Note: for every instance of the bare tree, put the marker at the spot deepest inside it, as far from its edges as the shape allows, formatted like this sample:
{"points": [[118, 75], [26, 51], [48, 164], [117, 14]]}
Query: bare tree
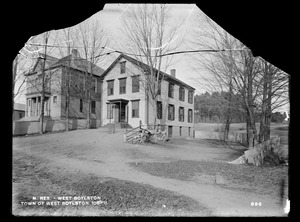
{"points": [[221, 66], [20, 66], [91, 42], [149, 36], [42, 84], [67, 43], [235, 70], [232, 69], [274, 94]]}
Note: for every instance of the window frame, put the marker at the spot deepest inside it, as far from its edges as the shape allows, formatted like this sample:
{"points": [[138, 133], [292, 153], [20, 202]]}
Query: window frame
{"points": [[93, 108], [135, 84], [94, 82], [159, 111], [54, 99], [181, 93], [135, 114], [171, 90], [190, 115], [122, 67], [181, 116], [190, 97], [81, 105], [159, 88], [169, 112], [108, 88], [122, 79]]}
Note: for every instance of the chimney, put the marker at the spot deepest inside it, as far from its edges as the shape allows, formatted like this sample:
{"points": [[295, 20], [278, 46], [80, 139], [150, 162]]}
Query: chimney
{"points": [[173, 72], [74, 53]]}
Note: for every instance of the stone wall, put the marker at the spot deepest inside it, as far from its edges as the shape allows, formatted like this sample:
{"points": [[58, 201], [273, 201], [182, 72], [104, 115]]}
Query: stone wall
{"points": [[270, 148]]}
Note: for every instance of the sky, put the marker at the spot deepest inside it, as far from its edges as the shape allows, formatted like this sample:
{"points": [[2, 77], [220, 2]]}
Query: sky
{"points": [[111, 20]]}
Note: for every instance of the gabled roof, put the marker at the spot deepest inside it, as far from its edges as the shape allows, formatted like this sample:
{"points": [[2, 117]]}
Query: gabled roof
{"points": [[50, 60], [78, 63], [144, 66]]}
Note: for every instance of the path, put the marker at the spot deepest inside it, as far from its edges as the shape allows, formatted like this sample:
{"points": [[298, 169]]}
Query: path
{"points": [[112, 161]]}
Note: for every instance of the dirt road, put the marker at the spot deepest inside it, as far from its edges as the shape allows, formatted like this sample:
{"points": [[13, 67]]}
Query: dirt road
{"points": [[102, 154]]}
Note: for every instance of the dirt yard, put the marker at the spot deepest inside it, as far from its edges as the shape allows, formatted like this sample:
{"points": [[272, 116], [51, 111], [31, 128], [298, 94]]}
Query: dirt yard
{"points": [[183, 178]]}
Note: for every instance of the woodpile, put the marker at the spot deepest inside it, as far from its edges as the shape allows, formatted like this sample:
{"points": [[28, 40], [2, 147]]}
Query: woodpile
{"points": [[145, 135]]}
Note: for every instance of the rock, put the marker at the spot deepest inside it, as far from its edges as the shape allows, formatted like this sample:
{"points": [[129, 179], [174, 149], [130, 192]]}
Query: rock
{"points": [[282, 152], [240, 160]]}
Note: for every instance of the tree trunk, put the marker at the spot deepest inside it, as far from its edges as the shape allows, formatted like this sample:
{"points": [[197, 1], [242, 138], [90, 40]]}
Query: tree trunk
{"points": [[268, 110], [43, 92], [263, 116], [226, 129], [251, 129], [68, 98], [228, 114], [154, 113]]}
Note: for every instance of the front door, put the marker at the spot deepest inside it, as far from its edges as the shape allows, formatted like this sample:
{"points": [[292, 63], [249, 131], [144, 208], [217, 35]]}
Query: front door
{"points": [[123, 112], [117, 114]]}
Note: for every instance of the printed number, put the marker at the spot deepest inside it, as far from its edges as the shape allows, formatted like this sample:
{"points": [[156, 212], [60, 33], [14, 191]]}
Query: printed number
{"points": [[256, 204]]}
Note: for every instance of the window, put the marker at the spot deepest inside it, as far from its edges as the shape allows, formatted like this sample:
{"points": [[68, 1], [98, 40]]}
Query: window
{"points": [[94, 85], [110, 87], [93, 108], [123, 67], [181, 114], [135, 84], [20, 115], [171, 112], [81, 105], [109, 111], [159, 110], [190, 97], [159, 88], [135, 109], [189, 131], [181, 94], [122, 84], [190, 115], [81, 81], [170, 131], [54, 99], [171, 90]]}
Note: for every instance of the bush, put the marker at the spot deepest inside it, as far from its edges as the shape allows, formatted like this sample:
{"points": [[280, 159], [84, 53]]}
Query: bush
{"points": [[277, 117]]}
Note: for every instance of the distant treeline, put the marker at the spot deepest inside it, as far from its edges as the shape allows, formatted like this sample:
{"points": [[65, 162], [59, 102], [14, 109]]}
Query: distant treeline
{"points": [[211, 108]]}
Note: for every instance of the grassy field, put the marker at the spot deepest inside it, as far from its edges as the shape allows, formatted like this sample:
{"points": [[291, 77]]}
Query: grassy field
{"points": [[282, 130]]}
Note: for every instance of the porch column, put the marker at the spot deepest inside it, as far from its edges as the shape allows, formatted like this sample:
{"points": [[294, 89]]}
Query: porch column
{"points": [[26, 107], [30, 109], [36, 104]]}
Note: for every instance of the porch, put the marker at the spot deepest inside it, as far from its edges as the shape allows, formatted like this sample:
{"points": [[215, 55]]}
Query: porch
{"points": [[34, 106], [117, 111]]}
